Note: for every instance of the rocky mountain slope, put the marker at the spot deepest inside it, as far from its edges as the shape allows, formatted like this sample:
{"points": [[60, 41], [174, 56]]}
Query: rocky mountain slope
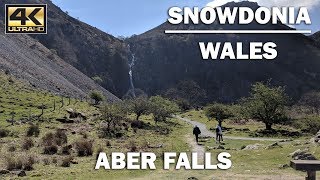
{"points": [[162, 60], [316, 36], [90, 50], [27, 59]]}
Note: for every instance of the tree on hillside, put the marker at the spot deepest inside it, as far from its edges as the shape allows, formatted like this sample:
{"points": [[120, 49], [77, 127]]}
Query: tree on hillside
{"points": [[187, 93], [139, 106], [112, 114], [96, 96], [312, 101], [217, 111], [162, 108], [266, 104]]}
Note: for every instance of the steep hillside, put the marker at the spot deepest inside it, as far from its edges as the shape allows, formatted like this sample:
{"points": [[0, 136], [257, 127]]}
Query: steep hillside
{"points": [[316, 36], [162, 60], [25, 101], [27, 59], [90, 50]]}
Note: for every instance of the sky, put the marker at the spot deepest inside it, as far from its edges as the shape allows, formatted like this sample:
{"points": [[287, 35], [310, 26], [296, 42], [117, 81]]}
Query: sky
{"points": [[129, 17]]}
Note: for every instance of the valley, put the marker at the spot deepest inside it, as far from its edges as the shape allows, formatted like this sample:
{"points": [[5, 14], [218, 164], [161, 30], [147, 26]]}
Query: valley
{"points": [[74, 93]]}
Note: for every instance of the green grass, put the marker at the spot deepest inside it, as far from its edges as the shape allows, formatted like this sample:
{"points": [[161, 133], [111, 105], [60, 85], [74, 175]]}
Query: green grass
{"points": [[247, 164], [232, 127], [25, 101]]}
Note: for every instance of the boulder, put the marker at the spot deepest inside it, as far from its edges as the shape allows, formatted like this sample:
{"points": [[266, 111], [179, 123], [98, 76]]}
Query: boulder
{"points": [[253, 147], [192, 178], [302, 155], [4, 171], [20, 173], [316, 138], [74, 114], [65, 120], [274, 145]]}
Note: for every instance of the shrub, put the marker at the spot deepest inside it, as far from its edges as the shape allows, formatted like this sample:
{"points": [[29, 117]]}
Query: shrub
{"points": [[108, 143], [50, 149], [28, 163], [13, 163], [60, 137], [132, 146], [54, 160], [310, 124], [99, 150], [162, 108], [27, 143], [4, 133], [137, 124], [48, 139], [66, 161], [46, 161], [84, 147], [96, 96], [12, 148], [66, 150], [33, 130], [19, 163]]}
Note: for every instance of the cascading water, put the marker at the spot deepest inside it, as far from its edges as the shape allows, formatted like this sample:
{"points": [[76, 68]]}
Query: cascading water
{"points": [[131, 64]]}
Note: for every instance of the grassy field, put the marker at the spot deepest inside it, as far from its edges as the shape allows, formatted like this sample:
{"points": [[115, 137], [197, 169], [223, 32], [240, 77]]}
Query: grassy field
{"points": [[171, 136], [238, 128], [26, 103]]}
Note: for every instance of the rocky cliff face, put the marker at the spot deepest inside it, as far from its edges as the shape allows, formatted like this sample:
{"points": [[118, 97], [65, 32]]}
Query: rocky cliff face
{"points": [[162, 60], [27, 59], [93, 52], [316, 37]]}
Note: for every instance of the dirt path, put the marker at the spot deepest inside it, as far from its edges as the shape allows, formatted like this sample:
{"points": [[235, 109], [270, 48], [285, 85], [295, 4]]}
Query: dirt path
{"points": [[206, 133]]}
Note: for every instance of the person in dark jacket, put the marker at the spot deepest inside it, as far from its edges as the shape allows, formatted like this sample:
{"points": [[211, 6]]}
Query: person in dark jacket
{"points": [[196, 132]]}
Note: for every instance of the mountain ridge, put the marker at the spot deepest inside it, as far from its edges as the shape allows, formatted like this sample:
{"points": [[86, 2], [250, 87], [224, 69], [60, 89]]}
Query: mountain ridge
{"points": [[165, 59]]}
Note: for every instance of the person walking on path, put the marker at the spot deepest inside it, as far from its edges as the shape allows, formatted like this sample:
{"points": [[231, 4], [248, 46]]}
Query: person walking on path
{"points": [[219, 133], [196, 132]]}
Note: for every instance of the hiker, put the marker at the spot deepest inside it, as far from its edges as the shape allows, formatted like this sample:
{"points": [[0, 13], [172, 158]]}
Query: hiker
{"points": [[196, 132], [219, 133]]}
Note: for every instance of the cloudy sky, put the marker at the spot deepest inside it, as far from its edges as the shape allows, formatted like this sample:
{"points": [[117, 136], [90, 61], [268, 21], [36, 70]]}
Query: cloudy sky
{"points": [[128, 17]]}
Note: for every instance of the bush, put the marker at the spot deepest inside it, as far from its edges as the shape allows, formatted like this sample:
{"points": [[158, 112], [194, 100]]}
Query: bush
{"points": [[28, 163], [33, 130], [12, 148], [132, 146], [4, 133], [108, 143], [84, 147], [162, 108], [13, 163], [66, 150], [46, 161], [310, 124], [66, 161], [107, 132], [99, 150], [27, 143], [48, 139], [137, 124], [96, 96], [60, 137], [19, 163], [50, 149]]}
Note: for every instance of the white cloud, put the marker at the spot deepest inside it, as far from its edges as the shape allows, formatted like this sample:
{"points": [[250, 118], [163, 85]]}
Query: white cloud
{"points": [[272, 3]]}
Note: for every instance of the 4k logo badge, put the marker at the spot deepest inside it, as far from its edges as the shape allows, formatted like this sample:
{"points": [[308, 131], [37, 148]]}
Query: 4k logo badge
{"points": [[26, 19]]}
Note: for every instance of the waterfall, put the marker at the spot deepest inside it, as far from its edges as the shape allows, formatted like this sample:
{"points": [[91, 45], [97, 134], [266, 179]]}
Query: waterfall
{"points": [[131, 64]]}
